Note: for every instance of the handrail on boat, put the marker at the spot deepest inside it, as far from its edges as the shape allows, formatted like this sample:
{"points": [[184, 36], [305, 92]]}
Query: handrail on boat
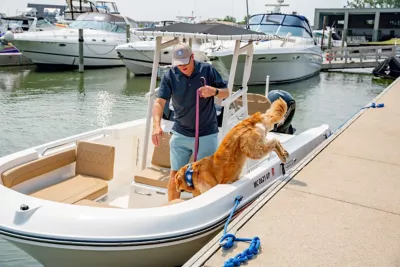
{"points": [[72, 141]]}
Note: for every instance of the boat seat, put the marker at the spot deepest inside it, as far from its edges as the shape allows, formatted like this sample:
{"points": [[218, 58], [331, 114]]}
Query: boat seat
{"points": [[32, 169], [91, 203], [255, 103], [94, 167], [158, 173], [74, 189]]}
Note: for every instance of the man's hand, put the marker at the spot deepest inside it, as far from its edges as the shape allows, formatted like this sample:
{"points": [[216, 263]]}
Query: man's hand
{"points": [[207, 91], [156, 135]]}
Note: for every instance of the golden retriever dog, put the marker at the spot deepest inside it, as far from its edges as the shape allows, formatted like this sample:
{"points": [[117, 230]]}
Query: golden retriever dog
{"points": [[246, 140]]}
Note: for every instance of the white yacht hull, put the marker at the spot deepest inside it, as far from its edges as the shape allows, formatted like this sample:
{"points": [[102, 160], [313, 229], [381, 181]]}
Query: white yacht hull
{"points": [[282, 65], [61, 48], [140, 60], [138, 56]]}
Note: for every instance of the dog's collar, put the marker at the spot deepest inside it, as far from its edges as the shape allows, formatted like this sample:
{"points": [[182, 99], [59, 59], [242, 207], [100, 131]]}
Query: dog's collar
{"points": [[188, 176]]}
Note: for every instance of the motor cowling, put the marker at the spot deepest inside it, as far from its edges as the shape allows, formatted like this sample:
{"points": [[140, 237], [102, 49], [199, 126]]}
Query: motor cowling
{"points": [[285, 126]]}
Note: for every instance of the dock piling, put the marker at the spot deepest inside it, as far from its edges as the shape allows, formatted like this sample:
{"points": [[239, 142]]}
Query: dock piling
{"points": [[81, 65]]}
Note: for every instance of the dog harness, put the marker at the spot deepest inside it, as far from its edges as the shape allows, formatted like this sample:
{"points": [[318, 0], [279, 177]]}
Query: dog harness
{"points": [[188, 176]]}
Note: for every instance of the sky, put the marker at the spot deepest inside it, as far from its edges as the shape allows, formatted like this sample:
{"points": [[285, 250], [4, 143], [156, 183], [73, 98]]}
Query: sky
{"points": [[155, 10]]}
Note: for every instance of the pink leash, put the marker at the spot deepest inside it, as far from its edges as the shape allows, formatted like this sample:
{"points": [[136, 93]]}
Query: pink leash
{"points": [[196, 142]]}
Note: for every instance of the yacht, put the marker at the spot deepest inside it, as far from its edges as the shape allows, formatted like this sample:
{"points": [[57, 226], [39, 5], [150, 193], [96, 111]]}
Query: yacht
{"points": [[138, 56], [9, 54], [102, 33], [280, 60]]}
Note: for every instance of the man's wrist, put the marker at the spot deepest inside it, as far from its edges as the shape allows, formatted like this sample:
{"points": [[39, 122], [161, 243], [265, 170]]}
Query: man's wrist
{"points": [[216, 91]]}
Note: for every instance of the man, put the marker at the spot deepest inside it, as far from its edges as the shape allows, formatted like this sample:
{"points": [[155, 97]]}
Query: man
{"points": [[180, 84]]}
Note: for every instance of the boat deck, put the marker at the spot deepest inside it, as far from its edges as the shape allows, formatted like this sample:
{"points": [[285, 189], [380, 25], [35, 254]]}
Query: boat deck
{"points": [[339, 207]]}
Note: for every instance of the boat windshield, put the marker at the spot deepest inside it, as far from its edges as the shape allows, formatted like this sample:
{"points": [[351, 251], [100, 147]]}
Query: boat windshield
{"points": [[281, 24], [104, 22], [21, 24]]}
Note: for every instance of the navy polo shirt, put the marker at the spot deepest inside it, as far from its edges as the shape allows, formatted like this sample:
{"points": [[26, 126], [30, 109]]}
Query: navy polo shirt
{"points": [[181, 90]]}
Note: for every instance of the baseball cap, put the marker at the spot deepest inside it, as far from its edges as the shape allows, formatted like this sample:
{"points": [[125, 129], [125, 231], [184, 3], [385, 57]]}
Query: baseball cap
{"points": [[181, 54]]}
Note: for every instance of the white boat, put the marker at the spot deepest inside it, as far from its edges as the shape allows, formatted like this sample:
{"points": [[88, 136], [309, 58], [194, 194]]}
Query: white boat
{"points": [[96, 199], [138, 56], [102, 33], [9, 54], [321, 37], [282, 61]]}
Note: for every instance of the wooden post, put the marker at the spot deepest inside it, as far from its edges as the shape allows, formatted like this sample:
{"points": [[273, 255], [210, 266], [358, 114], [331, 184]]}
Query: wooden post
{"points": [[128, 32], [344, 36], [323, 33], [81, 64], [330, 39]]}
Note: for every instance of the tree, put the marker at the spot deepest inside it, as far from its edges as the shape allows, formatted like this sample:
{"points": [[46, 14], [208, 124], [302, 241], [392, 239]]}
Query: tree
{"points": [[244, 21], [230, 19], [373, 3]]}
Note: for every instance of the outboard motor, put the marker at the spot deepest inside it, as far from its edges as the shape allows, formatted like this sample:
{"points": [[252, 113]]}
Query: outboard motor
{"points": [[285, 127]]}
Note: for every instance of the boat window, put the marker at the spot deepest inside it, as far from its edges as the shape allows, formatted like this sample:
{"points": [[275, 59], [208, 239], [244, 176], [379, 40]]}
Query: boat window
{"points": [[295, 31], [281, 24], [95, 25], [43, 23], [268, 29], [273, 19], [16, 25], [256, 19], [293, 21]]}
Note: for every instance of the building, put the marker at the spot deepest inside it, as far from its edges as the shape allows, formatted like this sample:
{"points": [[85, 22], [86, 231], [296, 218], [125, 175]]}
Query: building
{"points": [[373, 24]]}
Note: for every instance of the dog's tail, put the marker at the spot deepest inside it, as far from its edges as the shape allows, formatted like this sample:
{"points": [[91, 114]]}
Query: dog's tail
{"points": [[276, 113]]}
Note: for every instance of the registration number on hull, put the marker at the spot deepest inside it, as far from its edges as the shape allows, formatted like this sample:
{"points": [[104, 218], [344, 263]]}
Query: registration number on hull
{"points": [[262, 179]]}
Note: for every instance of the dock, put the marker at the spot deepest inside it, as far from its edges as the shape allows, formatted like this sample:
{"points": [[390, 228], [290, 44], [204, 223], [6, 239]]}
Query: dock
{"points": [[356, 57], [340, 206]]}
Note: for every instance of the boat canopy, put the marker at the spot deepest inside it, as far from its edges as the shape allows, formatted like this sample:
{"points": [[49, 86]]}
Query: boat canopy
{"points": [[207, 31]]}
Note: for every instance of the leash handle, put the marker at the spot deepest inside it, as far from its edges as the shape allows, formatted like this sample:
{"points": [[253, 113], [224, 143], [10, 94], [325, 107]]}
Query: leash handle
{"points": [[196, 142]]}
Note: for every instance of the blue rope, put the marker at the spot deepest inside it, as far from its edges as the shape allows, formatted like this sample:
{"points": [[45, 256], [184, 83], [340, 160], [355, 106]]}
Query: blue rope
{"points": [[373, 105], [228, 240]]}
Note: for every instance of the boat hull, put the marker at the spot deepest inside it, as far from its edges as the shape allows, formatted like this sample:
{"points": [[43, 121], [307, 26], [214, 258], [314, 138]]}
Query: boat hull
{"points": [[65, 256], [49, 53], [138, 56], [282, 67], [62, 49], [60, 234]]}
